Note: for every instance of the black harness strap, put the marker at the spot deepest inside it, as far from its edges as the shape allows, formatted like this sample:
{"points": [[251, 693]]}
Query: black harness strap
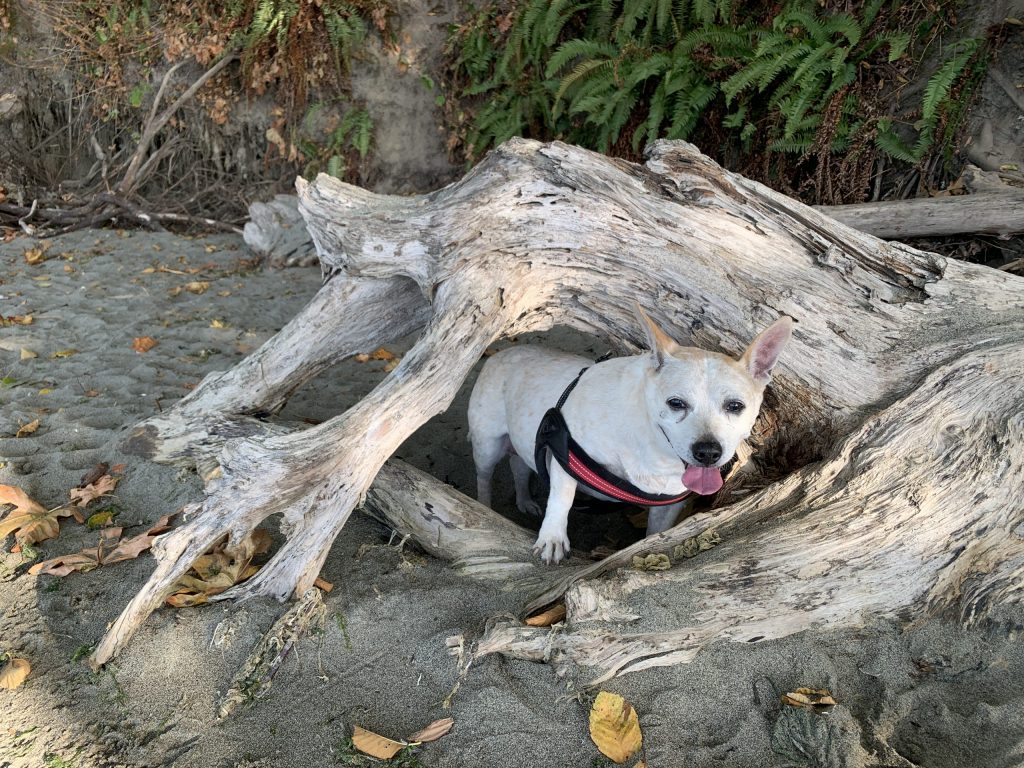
{"points": [[553, 435]]}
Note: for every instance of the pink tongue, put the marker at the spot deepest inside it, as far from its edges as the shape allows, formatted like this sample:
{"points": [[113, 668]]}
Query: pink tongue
{"points": [[702, 480]]}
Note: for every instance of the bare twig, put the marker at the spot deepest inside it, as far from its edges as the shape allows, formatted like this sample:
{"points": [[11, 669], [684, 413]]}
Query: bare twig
{"points": [[153, 126]]}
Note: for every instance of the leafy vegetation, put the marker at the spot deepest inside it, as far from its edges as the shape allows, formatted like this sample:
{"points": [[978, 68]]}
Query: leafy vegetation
{"points": [[774, 85]]}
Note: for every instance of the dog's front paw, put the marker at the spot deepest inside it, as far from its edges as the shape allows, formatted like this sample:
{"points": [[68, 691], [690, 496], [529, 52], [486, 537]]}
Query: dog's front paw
{"points": [[552, 546]]}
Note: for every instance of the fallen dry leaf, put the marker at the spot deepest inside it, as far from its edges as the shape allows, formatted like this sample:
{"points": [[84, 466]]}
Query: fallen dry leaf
{"points": [[614, 727], [27, 354], [29, 521], [16, 320], [382, 354], [215, 323], [217, 571], [84, 496], [817, 699], [34, 256], [374, 744], [552, 615], [62, 353], [432, 732], [197, 287], [14, 672], [94, 474], [118, 469], [91, 393], [143, 344], [110, 549], [27, 429]]}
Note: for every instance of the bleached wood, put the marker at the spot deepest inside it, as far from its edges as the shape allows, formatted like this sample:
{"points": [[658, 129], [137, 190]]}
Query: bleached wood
{"points": [[992, 213], [904, 375]]}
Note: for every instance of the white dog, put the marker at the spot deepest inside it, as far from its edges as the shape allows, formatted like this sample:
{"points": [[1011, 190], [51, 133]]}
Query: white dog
{"points": [[646, 429]]}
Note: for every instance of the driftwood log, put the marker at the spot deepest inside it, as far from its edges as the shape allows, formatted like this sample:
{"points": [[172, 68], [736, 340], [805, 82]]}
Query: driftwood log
{"points": [[895, 422]]}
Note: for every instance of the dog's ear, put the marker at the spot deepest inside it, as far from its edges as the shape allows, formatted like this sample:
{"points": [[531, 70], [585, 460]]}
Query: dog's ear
{"points": [[764, 351], [659, 342]]}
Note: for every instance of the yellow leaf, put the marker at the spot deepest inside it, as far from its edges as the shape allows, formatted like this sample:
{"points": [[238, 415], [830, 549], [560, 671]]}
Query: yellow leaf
{"points": [[34, 256], [197, 286], [63, 353], [28, 354], [100, 519], [614, 727], [434, 731], [551, 616], [215, 323], [382, 354], [375, 745], [817, 699], [27, 429], [45, 391], [14, 672]]}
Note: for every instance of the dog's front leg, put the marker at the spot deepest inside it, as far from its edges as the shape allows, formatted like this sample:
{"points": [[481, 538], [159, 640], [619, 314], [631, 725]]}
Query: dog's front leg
{"points": [[553, 541]]}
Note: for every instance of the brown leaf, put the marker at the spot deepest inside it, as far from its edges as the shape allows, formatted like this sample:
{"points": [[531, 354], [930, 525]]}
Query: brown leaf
{"points": [[382, 354], [110, 549], [34, 256], [118, 469], [28, 521], [614, 727], [94, 474], [433, 732], [16, 320], [143, 343], [84, 496], [14, 672], [27, 429], [92, 393], [374, 744], [552, 615], [816, 699], [218, 570]]}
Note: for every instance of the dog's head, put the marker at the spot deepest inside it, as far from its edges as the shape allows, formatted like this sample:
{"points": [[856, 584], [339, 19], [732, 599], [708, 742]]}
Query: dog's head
{"points": [[705, 403]]}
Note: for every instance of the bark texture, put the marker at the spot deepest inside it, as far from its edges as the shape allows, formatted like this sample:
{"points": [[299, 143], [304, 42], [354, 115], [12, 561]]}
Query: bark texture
{"points": [[895, 413]]}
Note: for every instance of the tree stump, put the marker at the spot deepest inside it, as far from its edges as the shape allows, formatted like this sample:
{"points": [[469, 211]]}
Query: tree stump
{"points": [[893, 431]]}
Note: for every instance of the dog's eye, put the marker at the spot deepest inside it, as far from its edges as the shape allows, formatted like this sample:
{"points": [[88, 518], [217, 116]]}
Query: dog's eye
{"points": [[676, 404], [734, 406]]}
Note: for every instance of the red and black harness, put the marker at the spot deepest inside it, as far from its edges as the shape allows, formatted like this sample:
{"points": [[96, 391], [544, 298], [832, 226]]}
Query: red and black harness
{"points": [[553, 435]]}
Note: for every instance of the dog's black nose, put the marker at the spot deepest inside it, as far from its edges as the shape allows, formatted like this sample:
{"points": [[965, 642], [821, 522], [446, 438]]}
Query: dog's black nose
{"points": [[707, 452]]}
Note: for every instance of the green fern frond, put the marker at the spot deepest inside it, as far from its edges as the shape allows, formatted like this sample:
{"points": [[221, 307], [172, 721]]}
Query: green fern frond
{"points": [[578, 49], [941, 82]]}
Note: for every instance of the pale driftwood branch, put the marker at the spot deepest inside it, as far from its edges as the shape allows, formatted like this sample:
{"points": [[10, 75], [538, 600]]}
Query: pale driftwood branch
{"points": [[903, 381], [989, 213]]}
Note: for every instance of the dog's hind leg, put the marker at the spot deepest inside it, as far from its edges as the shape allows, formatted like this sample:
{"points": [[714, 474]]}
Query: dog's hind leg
{"points": [[524, 501], [487, 452], [662, 518]]}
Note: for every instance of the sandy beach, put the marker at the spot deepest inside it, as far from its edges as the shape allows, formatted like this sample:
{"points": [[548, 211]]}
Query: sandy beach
{"points": [[931, 694]]}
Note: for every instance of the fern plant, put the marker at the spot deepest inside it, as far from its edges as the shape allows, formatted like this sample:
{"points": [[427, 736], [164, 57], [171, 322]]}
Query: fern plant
{"points": [[614, 75]]}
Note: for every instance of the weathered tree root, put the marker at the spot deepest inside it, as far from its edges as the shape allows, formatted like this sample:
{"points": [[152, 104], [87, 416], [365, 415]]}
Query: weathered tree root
{"points": [[916, 509]]}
